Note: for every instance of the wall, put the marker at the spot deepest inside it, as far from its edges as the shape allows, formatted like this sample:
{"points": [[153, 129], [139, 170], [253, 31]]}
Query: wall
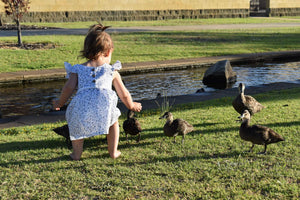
{"points": [[126, 10], [104, 5], [284, 3], [284, 8]]}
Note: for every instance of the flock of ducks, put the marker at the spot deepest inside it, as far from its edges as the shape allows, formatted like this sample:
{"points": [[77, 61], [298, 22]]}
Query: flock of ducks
{"points": [[245, 105]]}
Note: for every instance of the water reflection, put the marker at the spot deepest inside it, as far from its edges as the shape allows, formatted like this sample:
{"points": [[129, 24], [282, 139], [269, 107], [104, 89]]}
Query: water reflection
{"points": [[29, 98], [36, 98], [147, 86], [267, 73]]}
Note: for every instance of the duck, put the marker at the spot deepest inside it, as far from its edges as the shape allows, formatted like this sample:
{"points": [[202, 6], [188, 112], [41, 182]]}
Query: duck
{"points": [[64, 131], [158, 95], [245, 102], [132, 126], [257, 134], [172, 128], [201, 90]]}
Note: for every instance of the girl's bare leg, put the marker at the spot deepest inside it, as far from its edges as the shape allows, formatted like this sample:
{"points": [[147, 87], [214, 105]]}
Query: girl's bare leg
{"points": [[77, 149], [113, 140]]}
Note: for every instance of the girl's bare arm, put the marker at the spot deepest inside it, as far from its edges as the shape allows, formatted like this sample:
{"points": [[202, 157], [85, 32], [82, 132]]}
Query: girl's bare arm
{"points": [[124, 94], [67, 91]]}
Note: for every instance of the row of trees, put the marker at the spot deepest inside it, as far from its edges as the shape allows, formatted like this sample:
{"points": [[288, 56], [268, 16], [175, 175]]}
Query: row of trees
{"points": [[16, 9]]}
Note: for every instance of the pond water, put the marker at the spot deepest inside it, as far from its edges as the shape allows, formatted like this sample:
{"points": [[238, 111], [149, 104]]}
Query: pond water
{"points": [[36, 98], [173, 83]]}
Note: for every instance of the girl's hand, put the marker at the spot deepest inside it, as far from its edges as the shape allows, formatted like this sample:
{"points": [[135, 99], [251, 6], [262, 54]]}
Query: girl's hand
{"points": [[137, 107], [56, 105]]}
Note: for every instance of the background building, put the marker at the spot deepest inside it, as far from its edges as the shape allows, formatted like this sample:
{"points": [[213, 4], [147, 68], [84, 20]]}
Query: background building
{"points": [[275, 7], [125, 10]]}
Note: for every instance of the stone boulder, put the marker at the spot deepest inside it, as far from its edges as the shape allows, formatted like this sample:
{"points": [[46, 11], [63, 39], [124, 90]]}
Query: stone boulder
{"points": [[220, 75]]}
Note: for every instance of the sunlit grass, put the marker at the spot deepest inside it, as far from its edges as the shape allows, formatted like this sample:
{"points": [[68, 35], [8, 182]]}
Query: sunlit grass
{"points": [[212, 163], [152, 46]]}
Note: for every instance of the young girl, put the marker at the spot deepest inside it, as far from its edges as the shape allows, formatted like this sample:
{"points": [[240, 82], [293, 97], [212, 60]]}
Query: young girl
{"points": [[93, 110]]}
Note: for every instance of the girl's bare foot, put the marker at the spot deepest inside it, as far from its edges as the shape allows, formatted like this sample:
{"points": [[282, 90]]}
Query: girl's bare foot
{"points": [[116, 155], [77, 149], [74, 157]]}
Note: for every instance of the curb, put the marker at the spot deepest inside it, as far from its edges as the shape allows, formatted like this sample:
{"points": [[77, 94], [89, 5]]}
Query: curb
{"points": [[12, 78]]}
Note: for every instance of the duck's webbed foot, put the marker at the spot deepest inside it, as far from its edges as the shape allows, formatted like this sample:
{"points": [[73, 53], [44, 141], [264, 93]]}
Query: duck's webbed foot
{"points": [[139, 138], [182, 141], [251, 148], [126, 137], [174, 139], [265, 151]]}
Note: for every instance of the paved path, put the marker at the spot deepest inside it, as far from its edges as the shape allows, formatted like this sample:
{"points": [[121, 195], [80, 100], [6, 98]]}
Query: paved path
{"points": [[148, 28]]}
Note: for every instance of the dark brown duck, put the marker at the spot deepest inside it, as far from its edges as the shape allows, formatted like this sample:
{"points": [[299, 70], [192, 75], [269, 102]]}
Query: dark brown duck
{"points": [[132, 126], [172, 128], [64, 131], [257, 134]]}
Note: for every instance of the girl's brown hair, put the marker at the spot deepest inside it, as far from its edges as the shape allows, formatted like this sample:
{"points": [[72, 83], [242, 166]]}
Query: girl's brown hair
{"points": [[96, 42]]}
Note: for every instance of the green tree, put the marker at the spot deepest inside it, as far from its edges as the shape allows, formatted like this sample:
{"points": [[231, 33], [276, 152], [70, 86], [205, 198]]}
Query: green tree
{"points": [[16, 8]]}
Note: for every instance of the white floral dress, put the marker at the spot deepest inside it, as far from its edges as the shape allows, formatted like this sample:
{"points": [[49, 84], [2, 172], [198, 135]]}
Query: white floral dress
{"points": [[94, 107]]}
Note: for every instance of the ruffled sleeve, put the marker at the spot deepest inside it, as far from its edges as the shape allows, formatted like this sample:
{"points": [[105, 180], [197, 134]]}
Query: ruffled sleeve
{"points": [[70, 69], [117, 65]]}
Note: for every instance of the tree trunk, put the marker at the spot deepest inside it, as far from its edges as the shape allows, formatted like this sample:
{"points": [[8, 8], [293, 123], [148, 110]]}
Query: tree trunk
{"points": [[19, 33]]}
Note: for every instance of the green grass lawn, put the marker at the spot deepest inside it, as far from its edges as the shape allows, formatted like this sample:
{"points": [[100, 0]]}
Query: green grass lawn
{"points": [[151, 46], [212, 163]]}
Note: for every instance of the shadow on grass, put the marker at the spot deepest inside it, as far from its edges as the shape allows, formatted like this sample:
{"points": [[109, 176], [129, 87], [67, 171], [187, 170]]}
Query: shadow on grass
{"points": [[205, 124], [95, 142], [148, 133], [173, 159], [282, 124], [197, 38], [31, 145], [26, 162], [213, 130], [100, 142]]}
